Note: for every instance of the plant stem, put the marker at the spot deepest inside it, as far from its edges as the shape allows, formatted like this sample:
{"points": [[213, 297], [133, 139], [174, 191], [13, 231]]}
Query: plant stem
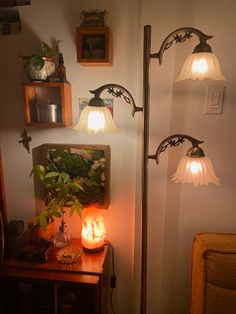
{"points": [[53, 165]]}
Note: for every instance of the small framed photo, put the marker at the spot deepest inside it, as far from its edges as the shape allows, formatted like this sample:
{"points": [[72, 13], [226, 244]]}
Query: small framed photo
{"points": [[88, 165], [10, 22], [14, 3], [83, 102]]}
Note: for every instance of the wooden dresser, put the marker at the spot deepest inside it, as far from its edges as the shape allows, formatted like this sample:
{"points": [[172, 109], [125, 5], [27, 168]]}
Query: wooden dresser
{"points": [[213, 274], [55, 288]]}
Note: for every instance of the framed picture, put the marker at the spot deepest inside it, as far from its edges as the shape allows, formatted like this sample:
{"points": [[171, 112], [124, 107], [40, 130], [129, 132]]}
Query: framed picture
{"points": [[89, 165], [10, 22], [14, 3], [94, 45], [83, 102]]}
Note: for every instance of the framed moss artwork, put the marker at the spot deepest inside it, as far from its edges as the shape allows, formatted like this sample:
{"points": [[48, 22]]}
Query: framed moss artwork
{"points": [[88, 165]]}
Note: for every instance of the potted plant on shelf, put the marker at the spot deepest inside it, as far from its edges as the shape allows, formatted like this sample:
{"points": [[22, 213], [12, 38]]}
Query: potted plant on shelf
{"points": [[39, 67], [60, 193]]}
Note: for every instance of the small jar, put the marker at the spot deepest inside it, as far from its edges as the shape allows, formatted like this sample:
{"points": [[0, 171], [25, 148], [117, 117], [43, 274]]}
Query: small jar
{"points": [[62, 238]]}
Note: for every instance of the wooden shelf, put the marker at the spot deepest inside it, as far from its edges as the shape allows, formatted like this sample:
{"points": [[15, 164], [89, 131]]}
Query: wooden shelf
{"points": [[94, 46], [47, 104]]}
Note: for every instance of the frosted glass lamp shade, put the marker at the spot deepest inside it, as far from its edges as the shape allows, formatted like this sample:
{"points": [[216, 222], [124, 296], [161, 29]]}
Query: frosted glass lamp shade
{"points": [[94, 119], [201, 65], [195, 170]]}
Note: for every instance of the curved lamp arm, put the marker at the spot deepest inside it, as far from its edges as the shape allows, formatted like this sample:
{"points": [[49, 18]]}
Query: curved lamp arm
{"points": [[173, 141], [180, 35], [117, 91]]}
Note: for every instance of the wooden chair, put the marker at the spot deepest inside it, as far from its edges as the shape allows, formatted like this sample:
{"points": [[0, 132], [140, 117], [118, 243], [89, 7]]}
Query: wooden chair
{"points": [[213, 274]]}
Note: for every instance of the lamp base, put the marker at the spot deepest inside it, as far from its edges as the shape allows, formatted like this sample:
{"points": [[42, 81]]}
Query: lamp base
{"points": [[95, 250]]}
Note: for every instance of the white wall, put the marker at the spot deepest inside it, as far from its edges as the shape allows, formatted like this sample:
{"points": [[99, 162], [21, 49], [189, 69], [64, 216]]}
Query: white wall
{"points": [[213, 208], [184, 210], [44, 20], [176, 212]]}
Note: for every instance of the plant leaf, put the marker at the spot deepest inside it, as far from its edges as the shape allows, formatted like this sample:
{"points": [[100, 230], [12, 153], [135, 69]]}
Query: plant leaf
{"points": [[57, 214], [65, 177], [43, 221], [37, 62], [78, 207], [52, 174], [47, 50]]}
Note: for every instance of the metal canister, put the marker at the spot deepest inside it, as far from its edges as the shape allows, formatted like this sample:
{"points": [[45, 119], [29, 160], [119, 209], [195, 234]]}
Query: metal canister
{"points": [[47, 112]]}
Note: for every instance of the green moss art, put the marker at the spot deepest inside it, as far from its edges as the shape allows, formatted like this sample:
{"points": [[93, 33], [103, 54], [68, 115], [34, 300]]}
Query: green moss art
{"points": [[89, 166]]}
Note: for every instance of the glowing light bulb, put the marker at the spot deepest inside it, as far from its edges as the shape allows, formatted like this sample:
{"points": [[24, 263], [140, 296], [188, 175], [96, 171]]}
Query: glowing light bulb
{"points": [[93, 230], [198, 171], [195, 167], [200, 66], [96, 121]]}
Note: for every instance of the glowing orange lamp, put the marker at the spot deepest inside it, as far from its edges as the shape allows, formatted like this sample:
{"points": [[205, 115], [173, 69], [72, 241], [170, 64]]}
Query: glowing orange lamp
{"points": [[93, 230]]}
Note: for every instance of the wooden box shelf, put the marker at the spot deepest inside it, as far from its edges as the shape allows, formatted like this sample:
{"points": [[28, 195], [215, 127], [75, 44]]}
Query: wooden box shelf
{"points": [[94, 46], [47, 104]]}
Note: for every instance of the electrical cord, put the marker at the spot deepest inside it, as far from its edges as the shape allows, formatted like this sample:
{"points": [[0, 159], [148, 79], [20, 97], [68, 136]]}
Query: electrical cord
{"points": [[113, 278]]}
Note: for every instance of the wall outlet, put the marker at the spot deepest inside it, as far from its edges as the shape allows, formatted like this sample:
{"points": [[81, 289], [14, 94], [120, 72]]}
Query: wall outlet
{"points": [[214, 99]]}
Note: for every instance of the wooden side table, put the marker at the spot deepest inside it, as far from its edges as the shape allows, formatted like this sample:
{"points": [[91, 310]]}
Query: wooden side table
{"points": [[55, 288]]}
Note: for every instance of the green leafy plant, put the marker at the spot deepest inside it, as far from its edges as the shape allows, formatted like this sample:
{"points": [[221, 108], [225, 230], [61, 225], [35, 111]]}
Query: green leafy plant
{"points": [[60, 193], [47, 53]]}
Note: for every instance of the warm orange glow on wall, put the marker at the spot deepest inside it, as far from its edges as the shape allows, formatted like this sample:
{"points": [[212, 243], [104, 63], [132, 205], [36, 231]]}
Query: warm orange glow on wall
{"points": [[93, 230]]}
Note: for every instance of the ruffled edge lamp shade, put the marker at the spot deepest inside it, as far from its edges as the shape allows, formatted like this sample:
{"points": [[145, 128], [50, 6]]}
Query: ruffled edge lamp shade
{"points": [[195, 168], [94, 119], [200, 66]]}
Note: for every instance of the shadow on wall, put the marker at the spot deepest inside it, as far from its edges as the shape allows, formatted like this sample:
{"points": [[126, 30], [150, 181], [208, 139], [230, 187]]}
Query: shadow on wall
{"points": [[39, 193], [12, 76]]}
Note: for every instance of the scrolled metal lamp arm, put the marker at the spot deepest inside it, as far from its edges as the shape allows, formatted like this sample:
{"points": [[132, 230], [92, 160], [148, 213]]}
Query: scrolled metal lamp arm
{"points": [[173, 141], [119, 93], [180, 35]]}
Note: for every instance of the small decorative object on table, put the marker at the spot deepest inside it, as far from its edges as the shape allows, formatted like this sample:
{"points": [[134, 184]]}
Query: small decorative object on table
{"points": [[69, 254], [62, 237], [38, 252], [93, 231]]}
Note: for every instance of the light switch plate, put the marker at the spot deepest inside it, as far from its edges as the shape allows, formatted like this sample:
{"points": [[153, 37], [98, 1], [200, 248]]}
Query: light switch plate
{"points": [[214, 99]]}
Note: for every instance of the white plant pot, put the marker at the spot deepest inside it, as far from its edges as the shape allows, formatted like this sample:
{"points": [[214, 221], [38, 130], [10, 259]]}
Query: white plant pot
{"points": [[39, 75]]}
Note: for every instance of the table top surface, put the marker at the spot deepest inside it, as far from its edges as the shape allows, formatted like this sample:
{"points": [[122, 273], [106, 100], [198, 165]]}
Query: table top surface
{"points": [[87, 264]]}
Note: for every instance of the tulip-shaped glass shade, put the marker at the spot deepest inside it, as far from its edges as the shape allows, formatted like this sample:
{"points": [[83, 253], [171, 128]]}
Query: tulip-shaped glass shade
{"points": [[196, 170], [94, 119], [201, 65]]}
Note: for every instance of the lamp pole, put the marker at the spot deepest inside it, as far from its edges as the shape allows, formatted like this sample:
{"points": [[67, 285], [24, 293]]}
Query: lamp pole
{"points": [[144, 174]]}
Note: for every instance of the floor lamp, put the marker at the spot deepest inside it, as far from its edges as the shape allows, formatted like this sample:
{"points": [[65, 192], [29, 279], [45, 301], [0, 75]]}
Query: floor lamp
{"points": [[195, 167]]}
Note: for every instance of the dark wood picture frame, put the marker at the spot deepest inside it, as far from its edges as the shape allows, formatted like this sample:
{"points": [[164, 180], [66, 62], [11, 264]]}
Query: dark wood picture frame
{"points": [[89, 165], [94, 46], [14, 3]]}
